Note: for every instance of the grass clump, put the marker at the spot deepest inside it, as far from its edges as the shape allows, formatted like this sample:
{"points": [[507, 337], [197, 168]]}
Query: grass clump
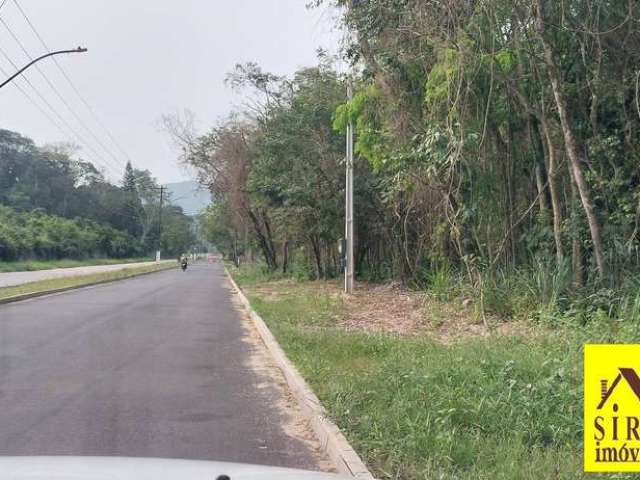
{"points": [[251, 274]]}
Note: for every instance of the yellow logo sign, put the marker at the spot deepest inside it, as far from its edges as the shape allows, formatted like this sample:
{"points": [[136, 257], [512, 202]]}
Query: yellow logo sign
{"points": [[612, 408]]}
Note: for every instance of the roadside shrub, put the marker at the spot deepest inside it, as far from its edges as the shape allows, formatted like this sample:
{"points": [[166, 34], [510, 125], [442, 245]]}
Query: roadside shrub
{"points": [[495, 298], [253, 273], [440, 281], [36, 235], [301, 271]]}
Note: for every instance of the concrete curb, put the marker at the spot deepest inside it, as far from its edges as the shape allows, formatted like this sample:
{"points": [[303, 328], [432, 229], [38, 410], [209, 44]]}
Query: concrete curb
{"points": [[332, 440], [55, 291]]}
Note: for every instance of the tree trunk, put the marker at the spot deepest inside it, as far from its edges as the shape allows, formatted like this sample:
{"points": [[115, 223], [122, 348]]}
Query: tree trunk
{"points": [[269, 240], [315, 245], [510, 174], [540, 170], [570, 138], [553, 190], [236, 258], [504, 147], [285, 256], [542, 197], [264, 239], [576, 244]]}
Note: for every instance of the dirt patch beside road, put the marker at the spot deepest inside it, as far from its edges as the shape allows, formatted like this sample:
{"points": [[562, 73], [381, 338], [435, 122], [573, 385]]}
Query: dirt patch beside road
{"points": [[262, 364], [392, 308]]}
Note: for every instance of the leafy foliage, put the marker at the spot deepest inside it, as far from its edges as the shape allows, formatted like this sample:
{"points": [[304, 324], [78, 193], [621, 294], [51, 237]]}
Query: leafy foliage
{"points": [[42, 236], [54, 206]]}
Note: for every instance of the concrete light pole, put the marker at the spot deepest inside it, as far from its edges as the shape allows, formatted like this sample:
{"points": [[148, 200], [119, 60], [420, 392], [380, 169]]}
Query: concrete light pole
{"points": [[50, 54], [349, 266], [160, 225]]}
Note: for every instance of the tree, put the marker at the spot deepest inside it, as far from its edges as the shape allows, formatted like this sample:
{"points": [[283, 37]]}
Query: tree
{"points": [[491, 137], [59, 184], [304, 197], [177, 231], [482, 105], [278, 171], [570, 137], [132, 210]]}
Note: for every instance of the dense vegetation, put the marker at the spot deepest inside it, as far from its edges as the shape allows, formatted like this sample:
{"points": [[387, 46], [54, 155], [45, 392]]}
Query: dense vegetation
{"points": [[37, 235], [495, 140], [54, 206]]}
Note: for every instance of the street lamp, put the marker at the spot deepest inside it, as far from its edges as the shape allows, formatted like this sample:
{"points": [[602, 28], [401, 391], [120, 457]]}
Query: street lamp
{"points": [[50, 54]]}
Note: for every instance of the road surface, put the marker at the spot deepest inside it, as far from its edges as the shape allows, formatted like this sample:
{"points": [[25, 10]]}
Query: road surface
{"points": [[161, 365], [8, 279]]}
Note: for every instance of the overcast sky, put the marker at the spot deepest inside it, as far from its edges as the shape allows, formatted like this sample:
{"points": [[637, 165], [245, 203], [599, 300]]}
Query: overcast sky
{"points": [[146, 58]]}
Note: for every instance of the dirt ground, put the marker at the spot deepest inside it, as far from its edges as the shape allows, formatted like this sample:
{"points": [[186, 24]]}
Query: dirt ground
{"points": [[294, 423], [392, 308]]}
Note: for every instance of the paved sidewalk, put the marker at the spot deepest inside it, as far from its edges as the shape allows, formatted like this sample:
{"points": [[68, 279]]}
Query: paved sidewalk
{"points": [[9, 279]]}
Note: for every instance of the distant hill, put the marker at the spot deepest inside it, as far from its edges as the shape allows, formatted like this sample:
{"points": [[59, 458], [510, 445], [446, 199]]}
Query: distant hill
{"points": [[189, 196]]}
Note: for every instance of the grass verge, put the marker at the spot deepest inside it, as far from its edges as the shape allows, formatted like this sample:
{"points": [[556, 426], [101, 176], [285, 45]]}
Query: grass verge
{"points": [[54, 284], [32, 265], [497, 407]]}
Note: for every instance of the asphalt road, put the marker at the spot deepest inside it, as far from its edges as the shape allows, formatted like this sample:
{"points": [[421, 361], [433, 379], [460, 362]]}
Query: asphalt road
{"points": [[160, 365], [8, 279]]}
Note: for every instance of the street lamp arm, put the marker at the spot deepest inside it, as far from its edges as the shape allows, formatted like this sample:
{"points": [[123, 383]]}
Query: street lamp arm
{"points": [[50, 54]]}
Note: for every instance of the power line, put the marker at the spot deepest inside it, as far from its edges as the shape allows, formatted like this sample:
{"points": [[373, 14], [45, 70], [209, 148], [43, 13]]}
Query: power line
{"points": [[2, 4], [78, 138], [71, 83], [39, 107], [60, 97], [35, 104]]}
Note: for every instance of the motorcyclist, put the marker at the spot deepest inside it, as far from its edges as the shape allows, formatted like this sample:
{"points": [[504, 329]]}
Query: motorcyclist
{"points": [[184, 261]]}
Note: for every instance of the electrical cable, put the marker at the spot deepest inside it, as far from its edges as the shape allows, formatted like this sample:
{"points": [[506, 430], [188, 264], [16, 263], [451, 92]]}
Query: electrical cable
{"points": [[71, 83], [60, 97], [75, 135]]}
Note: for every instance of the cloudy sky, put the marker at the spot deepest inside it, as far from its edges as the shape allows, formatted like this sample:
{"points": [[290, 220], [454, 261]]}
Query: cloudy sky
{"points": [[146, 58]]}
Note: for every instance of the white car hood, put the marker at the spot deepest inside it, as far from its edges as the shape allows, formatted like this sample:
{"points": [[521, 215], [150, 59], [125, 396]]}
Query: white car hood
{"points": [[127, 468]]}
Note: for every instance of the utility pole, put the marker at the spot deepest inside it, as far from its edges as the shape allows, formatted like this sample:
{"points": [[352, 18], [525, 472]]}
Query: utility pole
{"points": [[348, 271], [160, 225]]}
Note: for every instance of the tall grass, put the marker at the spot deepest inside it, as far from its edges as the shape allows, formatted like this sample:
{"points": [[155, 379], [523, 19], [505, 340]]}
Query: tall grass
{"points": [[440, 281], [543, 292], [630, 308], [252, 273], [550, 281]]}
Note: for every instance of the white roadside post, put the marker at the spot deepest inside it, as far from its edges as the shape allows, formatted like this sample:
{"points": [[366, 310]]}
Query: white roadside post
{"points": [[160, 225]]}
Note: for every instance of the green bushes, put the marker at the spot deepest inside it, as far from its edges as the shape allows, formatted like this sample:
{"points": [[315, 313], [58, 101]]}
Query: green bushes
{"points": [[40, 236], [544, 293]]}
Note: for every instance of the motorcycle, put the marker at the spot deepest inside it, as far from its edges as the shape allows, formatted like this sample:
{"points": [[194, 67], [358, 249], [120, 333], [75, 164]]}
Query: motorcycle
{"points": [[183, 265]]}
